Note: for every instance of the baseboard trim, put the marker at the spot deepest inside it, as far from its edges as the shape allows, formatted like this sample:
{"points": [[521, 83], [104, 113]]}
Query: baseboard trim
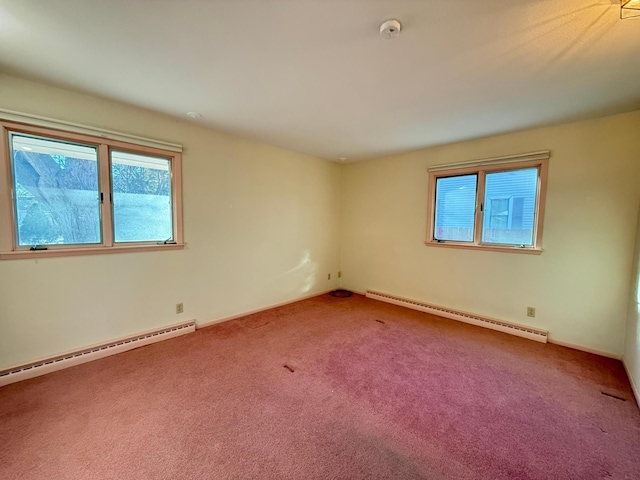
{"points": [[595, 351], [94, 352], [210, 323], [634, 387], [483, 321]]}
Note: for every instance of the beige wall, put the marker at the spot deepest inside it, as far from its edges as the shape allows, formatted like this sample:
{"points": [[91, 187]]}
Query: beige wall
{"points": [[580, 283], [261, 224], [632, 340]]}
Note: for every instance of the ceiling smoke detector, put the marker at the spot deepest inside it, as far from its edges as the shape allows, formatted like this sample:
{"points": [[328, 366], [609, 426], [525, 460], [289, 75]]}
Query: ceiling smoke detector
{"points": [[390, 29], [194, 115]]}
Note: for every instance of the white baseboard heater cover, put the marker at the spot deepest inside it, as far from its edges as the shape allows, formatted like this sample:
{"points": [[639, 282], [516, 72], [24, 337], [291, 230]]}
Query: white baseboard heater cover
{"points": [[481, 321], [41, 367]]}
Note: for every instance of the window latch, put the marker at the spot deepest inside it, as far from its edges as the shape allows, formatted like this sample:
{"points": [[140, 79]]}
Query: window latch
{"points": [[168, 241], [38, 247]]}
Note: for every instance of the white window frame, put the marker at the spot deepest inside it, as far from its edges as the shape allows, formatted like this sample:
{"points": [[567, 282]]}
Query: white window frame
{"points": [[509, 207], [539, 160], [9, 248]]}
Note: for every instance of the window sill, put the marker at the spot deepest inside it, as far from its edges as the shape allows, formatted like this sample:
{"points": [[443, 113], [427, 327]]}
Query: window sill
{"points": [[489, 248], [72, 252]]}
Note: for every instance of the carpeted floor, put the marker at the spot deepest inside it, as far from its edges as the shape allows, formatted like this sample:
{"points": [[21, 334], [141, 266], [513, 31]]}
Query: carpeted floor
{"points": [[371, 391]]}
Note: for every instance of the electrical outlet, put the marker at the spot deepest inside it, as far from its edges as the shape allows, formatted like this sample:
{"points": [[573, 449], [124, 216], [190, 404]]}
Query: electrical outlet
{"points": [[340, 274], [531, 312], [329, 277], [179, 307]]}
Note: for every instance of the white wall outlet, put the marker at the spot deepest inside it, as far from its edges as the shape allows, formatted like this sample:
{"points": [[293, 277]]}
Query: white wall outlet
{"points": [[179, 307], [531, 311]]}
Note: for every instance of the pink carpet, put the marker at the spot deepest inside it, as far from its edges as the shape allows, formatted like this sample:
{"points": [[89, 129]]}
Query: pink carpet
{"points": [[376, 392]]}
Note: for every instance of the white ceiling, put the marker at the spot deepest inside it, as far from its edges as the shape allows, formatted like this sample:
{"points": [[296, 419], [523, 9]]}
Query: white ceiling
{"points": [[315, 76]]}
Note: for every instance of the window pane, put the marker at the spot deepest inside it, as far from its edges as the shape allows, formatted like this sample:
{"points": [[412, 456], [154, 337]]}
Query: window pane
{"points": [[455, 208], [142, 207], [509, 207], [57, 199]]}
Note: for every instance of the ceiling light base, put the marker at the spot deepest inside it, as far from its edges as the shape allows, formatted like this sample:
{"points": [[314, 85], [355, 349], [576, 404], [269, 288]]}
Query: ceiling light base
{"points": [[390, 29]]}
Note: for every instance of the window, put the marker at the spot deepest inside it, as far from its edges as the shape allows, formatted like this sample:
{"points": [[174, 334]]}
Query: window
{"points": [[494, 204], [65, 193], [455, 207], [142, 203]]}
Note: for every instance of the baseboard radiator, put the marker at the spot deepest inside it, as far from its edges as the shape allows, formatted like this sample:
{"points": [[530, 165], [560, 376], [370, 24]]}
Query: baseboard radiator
{"points": [[481, 321], [41, 367]]}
